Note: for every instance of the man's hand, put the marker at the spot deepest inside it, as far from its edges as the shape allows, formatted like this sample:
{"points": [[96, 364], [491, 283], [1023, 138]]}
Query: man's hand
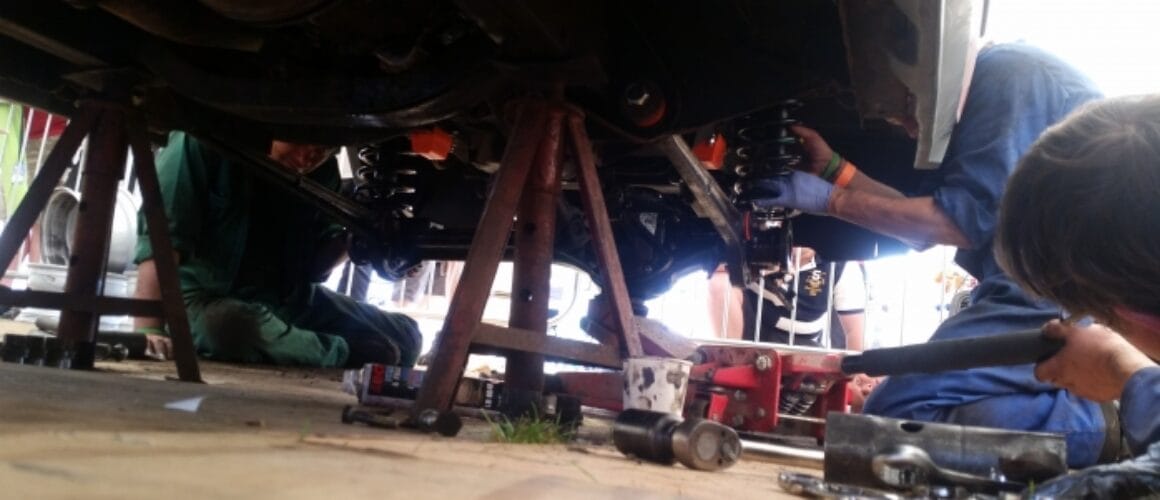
{"points": [[818, 153], [1095, 362], [799, 191], [158, 347]]}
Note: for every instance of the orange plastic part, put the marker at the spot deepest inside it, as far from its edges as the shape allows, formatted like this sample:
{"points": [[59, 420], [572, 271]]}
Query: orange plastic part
{"points": [[433, 144], [711, 152]]}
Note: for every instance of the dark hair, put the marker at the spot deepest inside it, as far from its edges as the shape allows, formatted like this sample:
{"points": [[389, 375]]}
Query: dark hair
{"points": [[1079, 223]]}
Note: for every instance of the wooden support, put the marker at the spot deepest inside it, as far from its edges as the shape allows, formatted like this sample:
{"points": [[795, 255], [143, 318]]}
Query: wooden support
{"points": [[487, 246], [172, 302], [113, 128], [611, 273], [103, 170], [528, 184], [535, 238], [560, 349]]}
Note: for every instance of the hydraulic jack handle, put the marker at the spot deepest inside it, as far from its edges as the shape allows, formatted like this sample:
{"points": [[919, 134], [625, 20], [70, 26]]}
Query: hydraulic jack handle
{"points": [[1016, 348]]}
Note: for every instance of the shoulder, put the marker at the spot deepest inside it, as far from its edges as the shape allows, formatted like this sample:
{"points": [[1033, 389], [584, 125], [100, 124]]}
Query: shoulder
{"points": [[1009, 63], [188, 152]]}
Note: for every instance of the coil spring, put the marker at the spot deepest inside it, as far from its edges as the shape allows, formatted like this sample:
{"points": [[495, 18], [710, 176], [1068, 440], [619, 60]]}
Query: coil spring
{"points": [[763, 142], [798, 402], [386, 177]]}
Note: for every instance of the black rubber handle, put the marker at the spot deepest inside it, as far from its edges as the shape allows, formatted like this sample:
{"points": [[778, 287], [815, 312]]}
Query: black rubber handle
{"points": [[1016, 348]]}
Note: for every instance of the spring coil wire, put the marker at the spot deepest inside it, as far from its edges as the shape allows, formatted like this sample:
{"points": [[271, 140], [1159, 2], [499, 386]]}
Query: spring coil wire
{"points": [[386, 175]]}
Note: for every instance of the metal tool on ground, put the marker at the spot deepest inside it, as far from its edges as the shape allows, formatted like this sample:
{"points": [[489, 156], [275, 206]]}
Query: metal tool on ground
{"points": [[351, 415], [918, 457], [782, 454], [814, 487], [444, 424], [662, 438], [1016, 348], [909, 468]]}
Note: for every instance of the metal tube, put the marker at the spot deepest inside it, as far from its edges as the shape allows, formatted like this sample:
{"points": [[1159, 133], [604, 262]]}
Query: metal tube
{"points": [[760, 308], [799, 418], [769, 452], [827, 327], [711, 202], [43, 142], [20, 154], [728, 301], [797, 265], [81, 156]]}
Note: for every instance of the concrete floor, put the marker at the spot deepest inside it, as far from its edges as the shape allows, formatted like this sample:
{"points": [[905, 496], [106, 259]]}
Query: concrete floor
{"points": [[275, 433]]}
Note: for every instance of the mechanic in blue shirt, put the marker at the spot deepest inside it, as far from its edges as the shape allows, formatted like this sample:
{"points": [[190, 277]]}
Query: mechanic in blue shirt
{"points": [[1080, 225], [1016, 92]]}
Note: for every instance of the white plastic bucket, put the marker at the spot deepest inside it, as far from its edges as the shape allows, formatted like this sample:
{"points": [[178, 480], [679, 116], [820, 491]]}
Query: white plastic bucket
{"points": [[656, 384], [51, 278], [58, 225]]}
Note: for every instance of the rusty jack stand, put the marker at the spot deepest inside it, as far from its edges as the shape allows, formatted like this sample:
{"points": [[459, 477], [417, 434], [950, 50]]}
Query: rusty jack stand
{"points": [[112, 128], [526, 188]]}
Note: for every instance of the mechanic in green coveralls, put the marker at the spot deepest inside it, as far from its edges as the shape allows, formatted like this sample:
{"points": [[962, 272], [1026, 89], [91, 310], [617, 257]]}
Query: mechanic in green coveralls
{"points": [[251, 258]]}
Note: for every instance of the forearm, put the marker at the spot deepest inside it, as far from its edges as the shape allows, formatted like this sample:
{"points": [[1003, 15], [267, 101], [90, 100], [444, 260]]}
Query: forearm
{"points": [[866, 184], [148, 288], [852, 325], [917, 221]]}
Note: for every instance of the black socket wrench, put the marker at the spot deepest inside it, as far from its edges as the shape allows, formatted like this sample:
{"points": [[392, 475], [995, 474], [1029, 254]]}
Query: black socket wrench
{"points": [[663, 438]]}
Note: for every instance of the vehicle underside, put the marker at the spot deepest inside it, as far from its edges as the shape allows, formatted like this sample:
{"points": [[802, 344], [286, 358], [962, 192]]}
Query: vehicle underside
{"points": [[369, 74]]}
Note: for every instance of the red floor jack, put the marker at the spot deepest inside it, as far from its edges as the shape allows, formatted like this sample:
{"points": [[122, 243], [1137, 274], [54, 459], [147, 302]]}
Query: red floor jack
{"points": [[751, 387], [767, 388]]}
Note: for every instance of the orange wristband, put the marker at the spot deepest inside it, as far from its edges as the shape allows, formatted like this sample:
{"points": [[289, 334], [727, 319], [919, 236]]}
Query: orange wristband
{"points": [[845, 174]]}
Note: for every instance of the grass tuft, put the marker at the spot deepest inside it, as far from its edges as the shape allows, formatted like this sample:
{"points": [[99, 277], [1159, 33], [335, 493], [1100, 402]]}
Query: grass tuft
{"points": [[528, 430]]}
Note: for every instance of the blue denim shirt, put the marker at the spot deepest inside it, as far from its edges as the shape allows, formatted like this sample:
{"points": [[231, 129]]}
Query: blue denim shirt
{"points": [[1017, 91], [1140, 410]]}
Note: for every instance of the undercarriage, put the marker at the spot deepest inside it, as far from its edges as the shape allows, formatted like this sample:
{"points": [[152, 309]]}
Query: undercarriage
{"points": [[720, 80]]}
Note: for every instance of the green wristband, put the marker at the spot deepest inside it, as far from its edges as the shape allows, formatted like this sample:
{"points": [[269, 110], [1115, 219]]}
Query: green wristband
{"points": [[151, 330], [831, 167]]}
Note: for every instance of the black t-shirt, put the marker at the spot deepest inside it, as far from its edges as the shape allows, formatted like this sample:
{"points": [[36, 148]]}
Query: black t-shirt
{"points": [[813, 286]]}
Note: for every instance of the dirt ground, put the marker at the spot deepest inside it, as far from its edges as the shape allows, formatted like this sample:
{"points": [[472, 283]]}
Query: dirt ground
{"points": [[276, 433]]}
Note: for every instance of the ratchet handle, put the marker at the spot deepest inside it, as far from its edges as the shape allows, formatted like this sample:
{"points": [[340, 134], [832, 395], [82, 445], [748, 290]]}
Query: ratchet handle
{"points": [[1016, 348]]}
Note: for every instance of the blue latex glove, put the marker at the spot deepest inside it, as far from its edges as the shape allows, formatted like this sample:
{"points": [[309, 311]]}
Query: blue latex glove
{"points": [[799, 191]]}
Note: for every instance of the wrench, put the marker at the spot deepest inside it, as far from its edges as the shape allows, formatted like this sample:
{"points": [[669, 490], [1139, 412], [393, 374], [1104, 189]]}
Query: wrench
{"points": [[910, 468]]}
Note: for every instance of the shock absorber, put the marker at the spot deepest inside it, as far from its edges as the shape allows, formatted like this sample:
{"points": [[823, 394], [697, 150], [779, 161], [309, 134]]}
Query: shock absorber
{"points": [[764, 151], [386, 176], [763, 145]]}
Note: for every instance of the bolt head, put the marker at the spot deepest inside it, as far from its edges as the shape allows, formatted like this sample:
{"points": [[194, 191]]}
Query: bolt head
{"points": [[636, 94]]}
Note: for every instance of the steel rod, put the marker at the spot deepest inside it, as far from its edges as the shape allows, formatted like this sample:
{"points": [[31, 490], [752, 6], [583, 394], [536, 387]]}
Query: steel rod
{"points": [[757, 450]]}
